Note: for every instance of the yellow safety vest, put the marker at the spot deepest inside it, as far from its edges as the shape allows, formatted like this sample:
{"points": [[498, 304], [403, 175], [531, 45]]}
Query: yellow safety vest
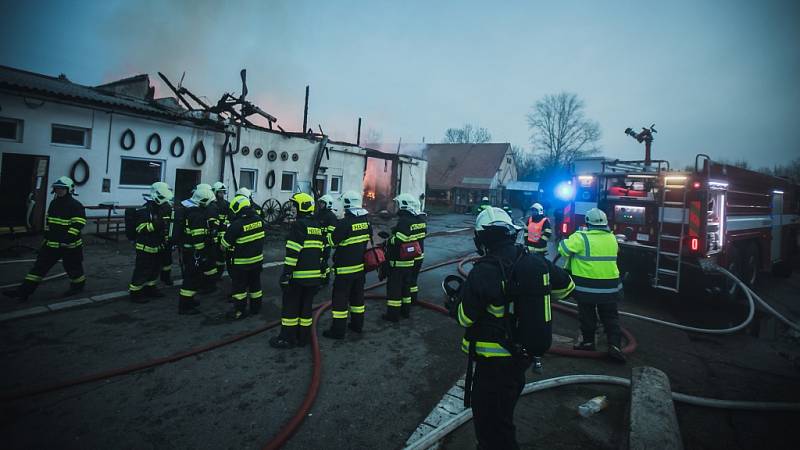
{"points": [[592, 261]]}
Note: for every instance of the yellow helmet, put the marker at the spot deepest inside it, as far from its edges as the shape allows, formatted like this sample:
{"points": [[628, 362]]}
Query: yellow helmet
{"points": [[160, 193], [202, 195], [239, 203], [219, 186], [304, 202]]}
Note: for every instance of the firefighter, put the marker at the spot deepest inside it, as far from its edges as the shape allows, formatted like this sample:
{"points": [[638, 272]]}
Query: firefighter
{"points": [[150, 242], [593, 264], [244, 240], [419, 228], [350, 237], [253, 204], [219, 212], [62, 241], [167, 214], [538, 230], [484, 204], [192, 235], [327, 220], [302, 274], [403, 250], [505, 307]]}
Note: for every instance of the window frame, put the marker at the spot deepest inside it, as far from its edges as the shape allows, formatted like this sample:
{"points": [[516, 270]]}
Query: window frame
{"points": [[294, 180], [162, 162], [19, 131], [87, 136], [255, 178], [339, 187]]}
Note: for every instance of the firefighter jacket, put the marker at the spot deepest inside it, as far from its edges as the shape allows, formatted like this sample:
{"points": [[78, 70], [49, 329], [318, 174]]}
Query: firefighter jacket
{"points": [[192, 231], [350, 237], [593, 264], [537, 233], [420, 229], [304, 245], [327, 220], [64, 222], [218, 219], [505, 302], [150, 228], [408, 229], [167, 214], [245, 240]]}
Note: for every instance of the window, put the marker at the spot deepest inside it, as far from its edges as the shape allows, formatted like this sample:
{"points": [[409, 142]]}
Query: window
{"points": [[10, 129], [140, 172], [64, 135], [287, 181], [336, 184], [248, 178]]}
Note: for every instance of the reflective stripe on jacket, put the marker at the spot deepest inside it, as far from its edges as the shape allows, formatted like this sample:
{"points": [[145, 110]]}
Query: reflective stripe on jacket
{"points": [[244, 238], [593, 261]]}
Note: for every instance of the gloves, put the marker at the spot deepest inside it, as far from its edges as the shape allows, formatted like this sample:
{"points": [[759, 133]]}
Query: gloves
{"points": [[284, 279]]}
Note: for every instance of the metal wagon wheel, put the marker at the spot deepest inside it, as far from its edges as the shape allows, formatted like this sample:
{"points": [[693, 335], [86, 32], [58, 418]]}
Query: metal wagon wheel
{"points": [[272, 210], [288, 212]]}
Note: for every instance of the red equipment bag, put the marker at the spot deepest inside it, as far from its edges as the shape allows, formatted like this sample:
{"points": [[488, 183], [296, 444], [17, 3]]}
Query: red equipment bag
{"points": [[409, 251], [374, 257]]}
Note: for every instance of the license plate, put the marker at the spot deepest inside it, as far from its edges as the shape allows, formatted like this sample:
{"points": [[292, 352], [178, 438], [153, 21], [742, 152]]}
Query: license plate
{"points": [[642, 237]]}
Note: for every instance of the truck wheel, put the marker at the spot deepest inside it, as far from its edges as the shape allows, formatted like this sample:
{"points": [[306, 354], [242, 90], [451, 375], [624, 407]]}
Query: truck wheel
{"points": [[750, 264], [730, 288]]}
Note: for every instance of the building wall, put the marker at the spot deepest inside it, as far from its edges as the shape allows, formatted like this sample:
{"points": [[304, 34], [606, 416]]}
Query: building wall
{"points": [[412, 178], [507, 171]]}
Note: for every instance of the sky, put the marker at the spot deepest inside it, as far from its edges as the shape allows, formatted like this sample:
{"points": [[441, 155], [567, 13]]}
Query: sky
{"points": [[717, 77]]}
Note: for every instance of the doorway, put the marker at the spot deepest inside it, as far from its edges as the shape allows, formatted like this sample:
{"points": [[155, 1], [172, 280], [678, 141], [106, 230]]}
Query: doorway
{"points": [[185, 182], [319, 185], [23, 181]]}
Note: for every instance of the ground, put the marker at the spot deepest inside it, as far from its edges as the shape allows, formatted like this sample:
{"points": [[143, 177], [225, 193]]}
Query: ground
{"points": [[375, 388]]}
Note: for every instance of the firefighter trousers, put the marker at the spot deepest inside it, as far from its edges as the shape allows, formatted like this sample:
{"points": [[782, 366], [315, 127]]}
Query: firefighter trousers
{"points": [[496, 386], [414, 289], [192, 279], [348, 291], [398, 292], [165, 259], [71, 259], [146, 271], [246, 280], [609, 317], [219, 263], [296, 313]]}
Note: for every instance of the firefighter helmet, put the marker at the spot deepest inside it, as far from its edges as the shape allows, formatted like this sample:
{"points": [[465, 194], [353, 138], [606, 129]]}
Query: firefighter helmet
{"points": [[493, 225], [202, 195], [352, 200], [537, 209], [326, 202], [160, 193], [407, 202], [596, 218], [244, 192], [303, 202], [239, 203], [65, 183], [485, 199], [219, 186]]}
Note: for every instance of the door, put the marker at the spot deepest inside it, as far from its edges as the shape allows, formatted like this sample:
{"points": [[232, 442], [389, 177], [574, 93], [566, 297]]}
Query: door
{"points": [[185, 182], [319, 186], [777, 211], [24, 185]]}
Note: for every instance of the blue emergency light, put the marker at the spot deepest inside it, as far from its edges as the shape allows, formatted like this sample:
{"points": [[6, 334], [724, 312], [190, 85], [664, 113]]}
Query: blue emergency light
{"points": [[565, 191]]}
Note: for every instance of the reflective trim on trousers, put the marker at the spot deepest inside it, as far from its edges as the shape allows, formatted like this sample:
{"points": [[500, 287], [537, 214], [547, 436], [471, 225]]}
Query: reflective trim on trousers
{"points": [[339, 314], [290, 321], [358, 309], [394, 303], [305, 322], [187, 293]]}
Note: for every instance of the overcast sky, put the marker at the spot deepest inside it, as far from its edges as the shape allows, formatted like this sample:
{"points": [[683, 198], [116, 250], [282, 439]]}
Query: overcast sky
{"points": [[720, 77]]}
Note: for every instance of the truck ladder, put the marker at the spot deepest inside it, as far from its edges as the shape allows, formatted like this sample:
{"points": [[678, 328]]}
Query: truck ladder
{"points": [[668, 264]]}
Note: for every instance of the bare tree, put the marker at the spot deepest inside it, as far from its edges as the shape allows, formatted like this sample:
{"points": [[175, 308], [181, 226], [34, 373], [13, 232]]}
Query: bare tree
{"points": [[527, 167], [561, 131], [468, 134]]}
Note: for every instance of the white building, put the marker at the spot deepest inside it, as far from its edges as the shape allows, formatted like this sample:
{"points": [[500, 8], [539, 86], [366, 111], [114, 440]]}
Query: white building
{"points": [[115, 140]]}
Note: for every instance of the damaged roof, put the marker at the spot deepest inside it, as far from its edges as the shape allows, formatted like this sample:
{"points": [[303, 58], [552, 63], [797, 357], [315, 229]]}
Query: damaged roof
{"points": [[22, 81], [470, 166]]}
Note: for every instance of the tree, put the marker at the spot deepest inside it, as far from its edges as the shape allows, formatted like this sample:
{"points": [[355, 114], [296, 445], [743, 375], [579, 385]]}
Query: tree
{"points": [[561, 132], [468, 134], [527, 168]]}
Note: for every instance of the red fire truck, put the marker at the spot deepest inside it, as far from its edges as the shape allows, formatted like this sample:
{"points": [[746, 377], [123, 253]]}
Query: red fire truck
{"points": [[668, 222]]}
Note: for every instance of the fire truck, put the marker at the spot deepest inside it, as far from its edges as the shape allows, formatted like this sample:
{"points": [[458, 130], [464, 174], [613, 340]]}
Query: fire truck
{"points": [[669, 223]]}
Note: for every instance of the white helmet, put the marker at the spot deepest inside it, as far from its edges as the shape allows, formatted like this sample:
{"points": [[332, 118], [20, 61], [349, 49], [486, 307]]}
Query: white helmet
{"points": [[352, 199], [326, 201], [596, 218], [203, 195], [407, 202], [65, 183], [494, 217], [537, 208], [160, 193], [245, 192], [219, 186]]}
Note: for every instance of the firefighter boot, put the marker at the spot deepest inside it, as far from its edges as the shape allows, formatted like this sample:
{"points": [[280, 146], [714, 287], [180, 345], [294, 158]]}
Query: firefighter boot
{"points": [[286, 339], [587, 346], [392, 314], [74, 288], [255, 306], [152, 292], [303, 336], [336, 330], [186, 305], [166, 277], [238, 311], [356, 322], [615, 353], [137, 297], [405, 310]]}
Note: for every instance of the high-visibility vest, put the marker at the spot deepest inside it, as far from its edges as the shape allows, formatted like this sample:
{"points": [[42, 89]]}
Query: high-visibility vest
{"points": [[535, 230], [592, 261]]}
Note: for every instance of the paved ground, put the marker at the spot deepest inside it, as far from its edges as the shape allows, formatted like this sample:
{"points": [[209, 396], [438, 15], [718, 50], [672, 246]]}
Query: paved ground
{"points": [[375, 388]]}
